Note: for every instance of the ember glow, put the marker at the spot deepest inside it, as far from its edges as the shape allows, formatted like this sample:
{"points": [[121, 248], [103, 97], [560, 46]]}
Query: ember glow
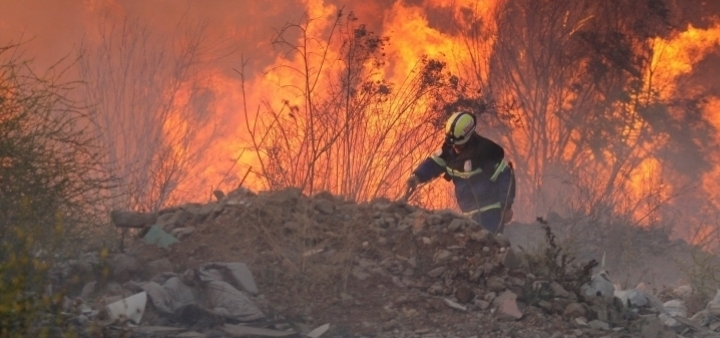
{"points": [[276, 79]]}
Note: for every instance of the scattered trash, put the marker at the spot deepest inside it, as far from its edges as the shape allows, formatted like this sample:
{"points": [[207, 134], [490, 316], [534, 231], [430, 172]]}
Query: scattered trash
{"points": [[130, 308], [159, 237]]}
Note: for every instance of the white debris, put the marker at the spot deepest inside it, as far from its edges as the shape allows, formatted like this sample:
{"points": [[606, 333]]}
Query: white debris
{"points": [[675, 308], [454, 305], [600, 286], [131, 308], [318, 331]]}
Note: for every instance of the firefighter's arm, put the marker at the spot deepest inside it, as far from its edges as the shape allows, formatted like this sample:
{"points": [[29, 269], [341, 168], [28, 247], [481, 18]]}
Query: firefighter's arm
{"points": [[430, 168]]}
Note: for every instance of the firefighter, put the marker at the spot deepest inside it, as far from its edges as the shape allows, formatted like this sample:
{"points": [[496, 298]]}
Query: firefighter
{"points": [[484, 181]]}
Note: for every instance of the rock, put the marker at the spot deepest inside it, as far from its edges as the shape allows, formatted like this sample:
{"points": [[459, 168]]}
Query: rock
{"points": [[575, 310], [511, 260], [496, 284], [497, 301], [651, 327], [245, 331], [178, 220], [558, 290], [482, 236], [437, 272], [598, 324], [87, 290], [442, 255], [464, 294], [683, 291], [132, 219], [324, 206], [545, 305], [157, 267], [502, 240], [82, 320], [509, 310], [181, 233], [163, 221], [455, 225], [206, 210], [359, 273], [483, 305], [490, 297], [123, 265]]}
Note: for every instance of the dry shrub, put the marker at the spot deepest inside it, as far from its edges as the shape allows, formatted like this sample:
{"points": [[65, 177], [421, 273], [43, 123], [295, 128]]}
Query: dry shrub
{"points": [[553, 262], [49, 184]]}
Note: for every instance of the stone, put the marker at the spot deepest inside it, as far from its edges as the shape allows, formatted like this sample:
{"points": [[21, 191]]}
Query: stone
{"points": [[206, 210], [455, 225], [558, 290], [184, 232], [359, 273], [481, 304], [598, 324], [502, 240], [324, 206], [163, 221], [244, 331], [132, 219], [575, 310], [509, 310], [482, 236], [511, 260], [87, 290], [437, 272], [442, 255], [504, 296], [178, 220], [157, 267], [651, 327], [496, 284], [464, 294], [123, 265]]}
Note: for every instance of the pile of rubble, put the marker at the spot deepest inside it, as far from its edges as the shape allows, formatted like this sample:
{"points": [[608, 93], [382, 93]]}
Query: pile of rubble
{"points": [[284, 264]]}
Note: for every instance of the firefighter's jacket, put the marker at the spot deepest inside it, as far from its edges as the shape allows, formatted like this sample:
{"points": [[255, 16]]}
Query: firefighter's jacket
{"points": [[482, 178]]}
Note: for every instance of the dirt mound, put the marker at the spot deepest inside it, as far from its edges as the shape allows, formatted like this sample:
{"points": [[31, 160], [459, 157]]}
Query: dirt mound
{"points": [[381, 268]]}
